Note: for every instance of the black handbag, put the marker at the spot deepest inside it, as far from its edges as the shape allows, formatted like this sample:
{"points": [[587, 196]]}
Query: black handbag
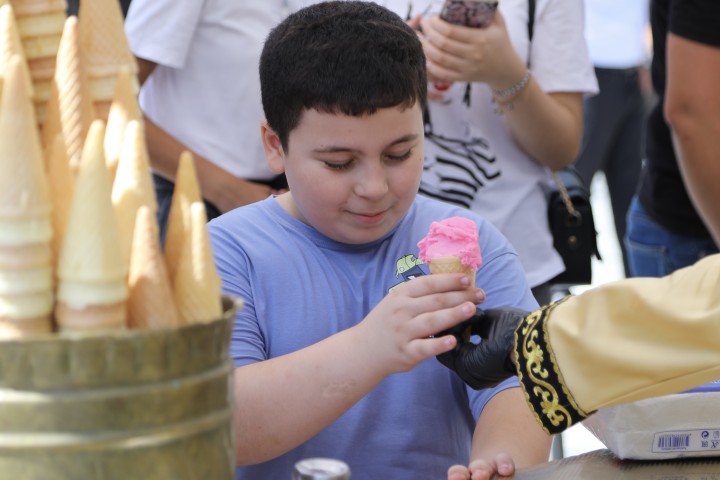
{"points": [[573, 228]]}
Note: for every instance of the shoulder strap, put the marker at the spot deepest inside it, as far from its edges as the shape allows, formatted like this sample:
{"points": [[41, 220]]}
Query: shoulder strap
{"points": [[531, 19]]}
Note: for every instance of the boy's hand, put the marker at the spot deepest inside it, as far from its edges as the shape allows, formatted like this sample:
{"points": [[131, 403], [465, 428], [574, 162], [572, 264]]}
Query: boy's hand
{"points": [[488, 363], [501, 464], [399, 332]]}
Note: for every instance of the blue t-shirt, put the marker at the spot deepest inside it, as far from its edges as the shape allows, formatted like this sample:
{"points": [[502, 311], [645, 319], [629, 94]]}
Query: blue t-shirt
{"points": [[300, 287]]}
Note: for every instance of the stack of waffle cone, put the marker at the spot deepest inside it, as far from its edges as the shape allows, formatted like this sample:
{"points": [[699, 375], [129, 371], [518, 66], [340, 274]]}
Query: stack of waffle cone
{"points": [[74, 104], [124, 109], [196, 284], [40, 23], [11, 44], [133, 187], [151, 303], [187, 192], [451, 264], [106, 50], [92, 276], [25, 225]]}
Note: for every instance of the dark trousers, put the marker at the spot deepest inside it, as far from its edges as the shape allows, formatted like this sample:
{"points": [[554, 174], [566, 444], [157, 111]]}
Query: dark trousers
{"points": [[612, 140]]}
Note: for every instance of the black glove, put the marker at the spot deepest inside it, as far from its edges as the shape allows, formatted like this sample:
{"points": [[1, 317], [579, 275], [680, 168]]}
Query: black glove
{"points": [[488, 363]]}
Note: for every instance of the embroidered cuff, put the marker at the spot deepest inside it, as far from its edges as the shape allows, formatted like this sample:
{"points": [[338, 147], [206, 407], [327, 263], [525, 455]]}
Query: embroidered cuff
{"points": [[540, 378]]}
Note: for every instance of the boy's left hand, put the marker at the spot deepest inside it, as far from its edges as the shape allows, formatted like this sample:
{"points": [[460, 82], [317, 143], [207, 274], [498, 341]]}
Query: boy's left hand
{"points": [[502, 465]]}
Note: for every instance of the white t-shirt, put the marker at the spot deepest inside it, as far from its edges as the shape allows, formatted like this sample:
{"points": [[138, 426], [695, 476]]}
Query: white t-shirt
{"points": [[205, 90], [470, 157], [615, 32]]}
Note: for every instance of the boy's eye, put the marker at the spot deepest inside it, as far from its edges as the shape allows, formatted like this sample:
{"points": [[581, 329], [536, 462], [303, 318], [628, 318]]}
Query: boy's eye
{"points": [[338, 166], [400, 156]]}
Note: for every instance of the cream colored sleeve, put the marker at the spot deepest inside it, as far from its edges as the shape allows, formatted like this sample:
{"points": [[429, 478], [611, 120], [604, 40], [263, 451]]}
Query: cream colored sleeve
{"points": [[621, 342]]}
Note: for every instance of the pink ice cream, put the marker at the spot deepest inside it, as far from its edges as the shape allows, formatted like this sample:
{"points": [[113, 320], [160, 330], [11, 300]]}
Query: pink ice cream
{"points": [[454, 236]]}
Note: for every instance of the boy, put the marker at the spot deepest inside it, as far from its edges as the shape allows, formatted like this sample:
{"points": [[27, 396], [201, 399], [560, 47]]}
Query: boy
{"points": [[333, 348]]}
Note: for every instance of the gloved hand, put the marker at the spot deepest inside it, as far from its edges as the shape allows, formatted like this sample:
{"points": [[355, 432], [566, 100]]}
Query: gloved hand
{"points": [[488, 363]]}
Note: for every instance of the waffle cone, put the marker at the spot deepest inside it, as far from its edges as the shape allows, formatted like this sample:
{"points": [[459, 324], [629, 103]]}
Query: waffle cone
{"points": [[133, 186], [37, 7], [13, 329], [186, 192], [24, 191], [197, 284], [74, 102], [92, 318], [124, 109], [62, 184], [151, 303], [91, 269], [51, 125], [25, 285], [11, 44], [451, 264], [106, 48]]}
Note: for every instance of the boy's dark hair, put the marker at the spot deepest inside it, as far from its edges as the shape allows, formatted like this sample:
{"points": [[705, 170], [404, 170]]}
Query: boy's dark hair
{"points": [[346, 57]]}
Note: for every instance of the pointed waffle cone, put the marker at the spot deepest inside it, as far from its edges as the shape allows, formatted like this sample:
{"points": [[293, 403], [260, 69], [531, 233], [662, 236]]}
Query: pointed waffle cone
{"points": [[11, 44], [24, 191], [74, 101], [133, 185], [186, 192], [451, 264], [151, 303], [106, 49], [62, 184], [91, 270], [197, 285], [124, 109], [51, 125]]}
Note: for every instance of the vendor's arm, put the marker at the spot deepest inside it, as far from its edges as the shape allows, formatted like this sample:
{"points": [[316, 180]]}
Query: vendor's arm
{"points": [[284, 401], [217, 185], [614, 344], [691, 108]]}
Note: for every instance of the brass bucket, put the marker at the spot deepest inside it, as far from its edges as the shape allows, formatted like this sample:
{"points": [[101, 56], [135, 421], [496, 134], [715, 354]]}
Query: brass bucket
{"points": [[137, 404]]}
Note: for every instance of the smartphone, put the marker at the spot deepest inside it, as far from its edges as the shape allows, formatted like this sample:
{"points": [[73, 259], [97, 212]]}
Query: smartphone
{"points": [[471, 13]]}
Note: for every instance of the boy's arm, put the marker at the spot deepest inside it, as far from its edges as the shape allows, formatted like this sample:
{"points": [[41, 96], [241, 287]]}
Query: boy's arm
{"points": [[507, 426], [284, 401]]}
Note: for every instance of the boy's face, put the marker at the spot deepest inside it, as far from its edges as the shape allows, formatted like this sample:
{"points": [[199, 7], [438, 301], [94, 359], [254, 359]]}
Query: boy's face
{"points": [[351, 178]]}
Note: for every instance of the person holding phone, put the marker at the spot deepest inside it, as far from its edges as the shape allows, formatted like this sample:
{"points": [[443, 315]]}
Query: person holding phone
{"points": [[511, 113]]}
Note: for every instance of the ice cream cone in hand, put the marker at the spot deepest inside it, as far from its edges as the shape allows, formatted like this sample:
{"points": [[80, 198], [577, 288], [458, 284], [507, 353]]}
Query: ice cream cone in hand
{"points": [[92, 274], [197, 284], [452, 245], [151, 303], [451, 264]]}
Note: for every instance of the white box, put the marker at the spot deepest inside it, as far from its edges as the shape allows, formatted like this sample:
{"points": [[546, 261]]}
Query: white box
{"points": [[686, 424]]}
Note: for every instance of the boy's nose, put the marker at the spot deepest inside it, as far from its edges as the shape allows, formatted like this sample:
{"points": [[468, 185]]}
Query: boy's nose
{"points": [[372, 182]]}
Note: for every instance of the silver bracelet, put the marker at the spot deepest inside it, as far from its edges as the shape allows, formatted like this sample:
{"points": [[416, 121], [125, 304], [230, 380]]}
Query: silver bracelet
{"points": [[509, 92]]}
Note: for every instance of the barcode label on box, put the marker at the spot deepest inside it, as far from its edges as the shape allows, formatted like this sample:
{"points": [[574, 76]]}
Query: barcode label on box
{"points": [[706, 440]]}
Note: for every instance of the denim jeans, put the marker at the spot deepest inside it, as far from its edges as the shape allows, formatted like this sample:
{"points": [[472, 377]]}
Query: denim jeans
{"points": [[654, 251]]}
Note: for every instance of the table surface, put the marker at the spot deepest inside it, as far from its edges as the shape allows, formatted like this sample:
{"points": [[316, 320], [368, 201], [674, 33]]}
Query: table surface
{"points": [[603, 465]]}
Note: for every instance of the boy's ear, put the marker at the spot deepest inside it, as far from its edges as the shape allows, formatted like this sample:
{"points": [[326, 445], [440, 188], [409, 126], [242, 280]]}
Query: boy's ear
{"points": [[273, 148]]}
